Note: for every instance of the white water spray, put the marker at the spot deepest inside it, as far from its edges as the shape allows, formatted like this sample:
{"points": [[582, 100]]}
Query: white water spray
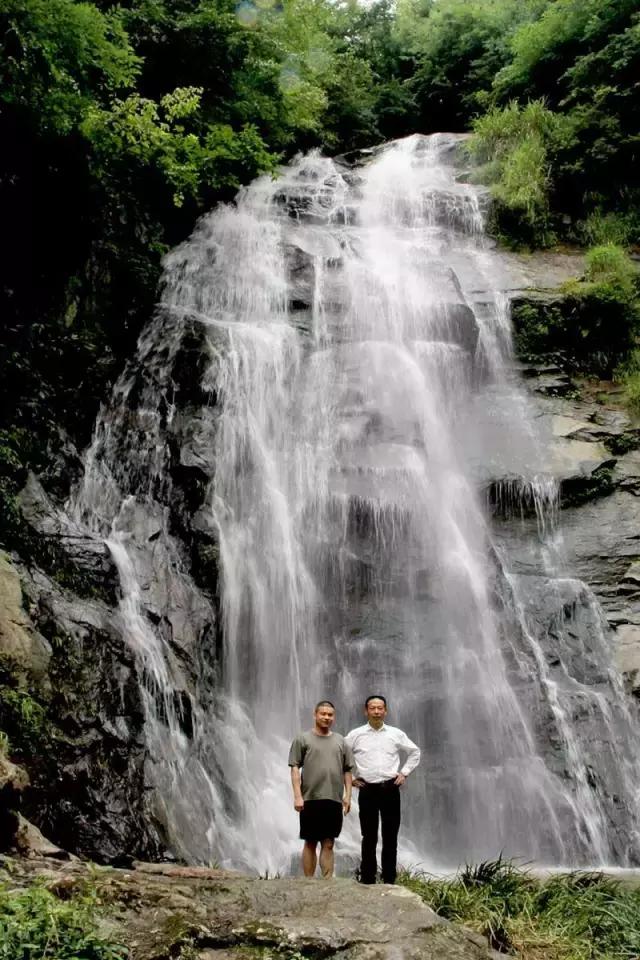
{"points": [[356, 391]]}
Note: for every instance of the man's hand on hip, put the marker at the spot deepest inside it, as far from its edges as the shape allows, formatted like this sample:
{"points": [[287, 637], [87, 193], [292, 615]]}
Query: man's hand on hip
{"points": [[400, 779]]}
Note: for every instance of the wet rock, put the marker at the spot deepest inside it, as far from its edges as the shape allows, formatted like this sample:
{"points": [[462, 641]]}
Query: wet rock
{"points": [[13, 782], [12, 777], [588, 483], [563, 637], [358, 157], [80, 737], [63, 467], [221, 915], [600, 518], [30, 842], [72, 557], [25, 650], [455, 209], [301, 275], [193, 432], [628, 655], [457, 324], [548, 378], [540, 275]]}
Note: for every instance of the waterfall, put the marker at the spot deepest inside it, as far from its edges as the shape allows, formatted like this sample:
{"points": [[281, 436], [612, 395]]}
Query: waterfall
{"points": [[331, 361]]}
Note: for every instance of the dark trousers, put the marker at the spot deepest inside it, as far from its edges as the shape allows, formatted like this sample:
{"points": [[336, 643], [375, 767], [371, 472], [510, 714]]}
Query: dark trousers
{"points": [[379, 802]]}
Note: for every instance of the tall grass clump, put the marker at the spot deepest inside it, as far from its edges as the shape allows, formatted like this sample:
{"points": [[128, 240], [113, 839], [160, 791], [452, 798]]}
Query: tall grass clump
{"points": [[573, 916], [36, 925], [628, 374], [621, 229], [513, 146], [609, 264]]}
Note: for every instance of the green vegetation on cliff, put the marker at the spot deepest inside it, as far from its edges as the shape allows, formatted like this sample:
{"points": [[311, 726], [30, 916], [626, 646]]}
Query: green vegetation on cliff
{"points": [[122, 122], [37, 925], [591, 325], [580, 60]]}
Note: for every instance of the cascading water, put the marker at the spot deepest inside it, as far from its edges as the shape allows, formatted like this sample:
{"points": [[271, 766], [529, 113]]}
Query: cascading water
{"points": [[354, 398]]}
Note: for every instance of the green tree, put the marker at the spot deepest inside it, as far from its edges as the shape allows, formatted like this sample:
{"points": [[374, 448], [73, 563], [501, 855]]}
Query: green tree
{"points": [[457, 47]]}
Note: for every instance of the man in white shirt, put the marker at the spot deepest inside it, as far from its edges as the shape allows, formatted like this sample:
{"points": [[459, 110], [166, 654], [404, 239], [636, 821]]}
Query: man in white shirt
{"points": [[384, 758]]}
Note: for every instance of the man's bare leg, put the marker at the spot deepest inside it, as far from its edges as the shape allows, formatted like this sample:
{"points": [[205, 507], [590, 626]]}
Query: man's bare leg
{"points": [[309, 858], [326, 858]]}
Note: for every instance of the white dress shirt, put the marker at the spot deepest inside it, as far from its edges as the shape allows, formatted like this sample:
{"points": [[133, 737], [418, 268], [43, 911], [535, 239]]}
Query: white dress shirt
{"points": [[377, 753]]}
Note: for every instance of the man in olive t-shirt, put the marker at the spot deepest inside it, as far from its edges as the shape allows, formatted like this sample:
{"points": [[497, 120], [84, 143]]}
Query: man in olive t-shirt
{"points": [[321, 774]]}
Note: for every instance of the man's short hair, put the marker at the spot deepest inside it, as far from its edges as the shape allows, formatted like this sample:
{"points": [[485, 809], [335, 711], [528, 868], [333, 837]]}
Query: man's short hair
{"points": [[323, 703], [375, 696]]}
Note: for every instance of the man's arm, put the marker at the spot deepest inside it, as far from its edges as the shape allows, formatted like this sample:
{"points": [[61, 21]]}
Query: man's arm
{"points": [[348, 783], [296, 783], [412, 758], [296, 761], [349, 741]]}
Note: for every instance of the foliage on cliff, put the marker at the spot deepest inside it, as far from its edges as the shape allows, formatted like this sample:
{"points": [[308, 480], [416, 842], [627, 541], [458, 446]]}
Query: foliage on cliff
{"points": [[122, 122], [580, 59]]}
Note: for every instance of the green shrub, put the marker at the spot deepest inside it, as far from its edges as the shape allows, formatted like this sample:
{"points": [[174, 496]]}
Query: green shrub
{"points": [[576, 916], [628, 374], [12, 476], [605, 228], [610, 264], [632, 391], [23, 720], [538, 327], [514, 145], [602, 311], [35, 925]]}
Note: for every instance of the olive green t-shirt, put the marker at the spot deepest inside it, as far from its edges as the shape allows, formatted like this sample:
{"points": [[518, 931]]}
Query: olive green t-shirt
{"points": [[324, 761]]}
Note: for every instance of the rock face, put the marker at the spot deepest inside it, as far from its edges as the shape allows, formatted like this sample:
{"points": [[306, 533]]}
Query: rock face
{"points": [[64, 657], [155, 910], [13, 781], [19, 643], [69, 703], [594, 454]]}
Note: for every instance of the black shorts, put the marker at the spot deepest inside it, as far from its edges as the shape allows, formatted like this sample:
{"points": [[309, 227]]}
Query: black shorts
{"points": [[320, 820]]}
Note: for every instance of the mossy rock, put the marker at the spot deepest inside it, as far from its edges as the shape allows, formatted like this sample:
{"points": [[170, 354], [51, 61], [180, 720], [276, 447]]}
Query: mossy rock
{"points": [[599, 483], [587, 325]]}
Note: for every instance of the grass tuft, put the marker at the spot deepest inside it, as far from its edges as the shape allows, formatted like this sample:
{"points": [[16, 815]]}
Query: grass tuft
{"points": [[574, 916]]}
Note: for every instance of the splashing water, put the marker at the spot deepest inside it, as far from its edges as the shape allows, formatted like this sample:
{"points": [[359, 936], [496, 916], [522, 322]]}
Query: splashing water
{"points": [[350, 397]]}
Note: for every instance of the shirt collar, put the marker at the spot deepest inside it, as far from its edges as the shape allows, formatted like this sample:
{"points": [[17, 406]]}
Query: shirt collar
{"points": [[379, 730]]}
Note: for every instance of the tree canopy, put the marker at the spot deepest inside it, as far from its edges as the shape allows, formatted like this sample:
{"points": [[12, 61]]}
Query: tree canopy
{"points": [[122, 121]]}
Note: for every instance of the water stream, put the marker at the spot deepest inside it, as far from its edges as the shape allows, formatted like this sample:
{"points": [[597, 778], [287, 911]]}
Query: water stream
{"points": [[348, 399]]}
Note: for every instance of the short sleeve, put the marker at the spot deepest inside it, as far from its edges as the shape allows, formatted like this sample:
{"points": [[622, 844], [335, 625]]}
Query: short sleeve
{"points": [[296, 753], [348, 762]]}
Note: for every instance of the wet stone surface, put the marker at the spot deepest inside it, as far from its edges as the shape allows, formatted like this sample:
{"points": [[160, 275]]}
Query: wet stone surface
{"points": [[594, 455]]}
